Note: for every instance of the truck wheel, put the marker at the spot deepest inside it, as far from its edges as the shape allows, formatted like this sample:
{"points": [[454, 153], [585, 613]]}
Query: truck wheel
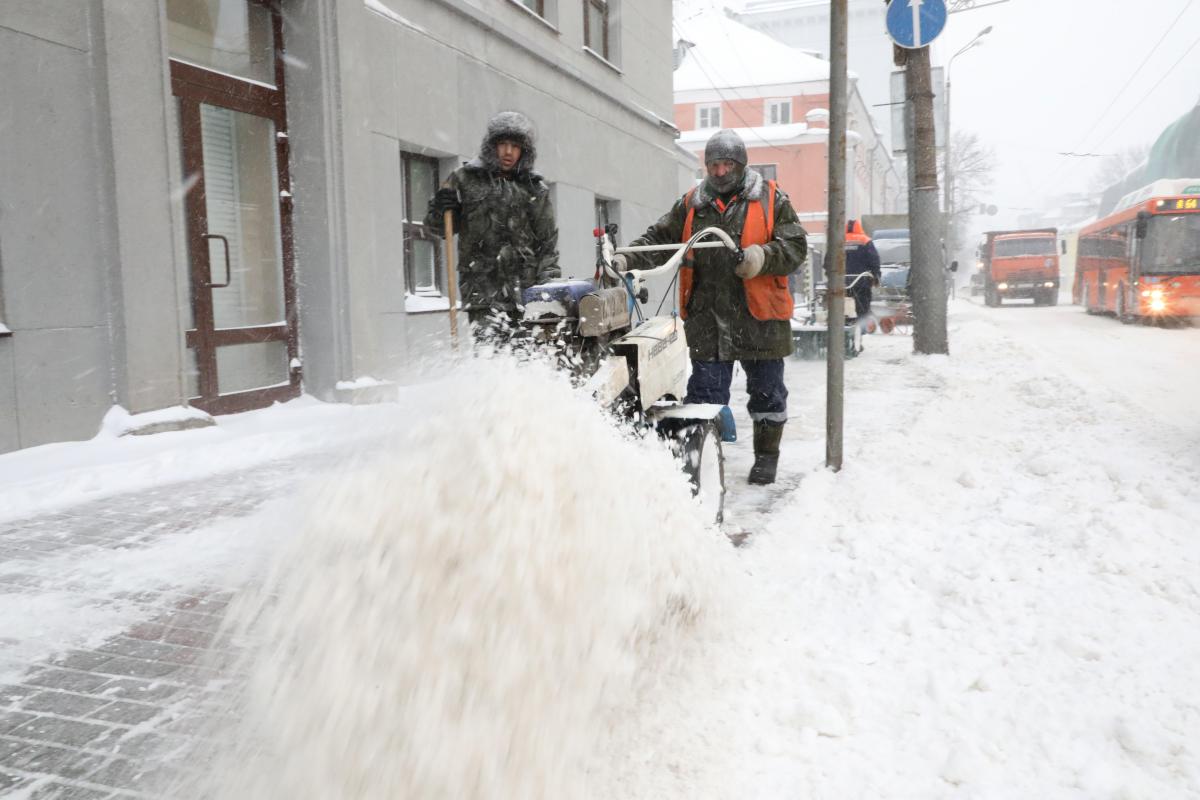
{"points": [[990, 297], [704, 465], [1052, 297], [1121, 315]]}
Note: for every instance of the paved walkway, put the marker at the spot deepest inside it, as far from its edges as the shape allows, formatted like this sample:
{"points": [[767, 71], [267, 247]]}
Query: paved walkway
{"points": [[112, 721]]}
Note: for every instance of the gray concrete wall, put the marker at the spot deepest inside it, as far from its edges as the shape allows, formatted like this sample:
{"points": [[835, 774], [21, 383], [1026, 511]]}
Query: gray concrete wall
{"points": [[56, 267], [87, 253], [426, 77]]}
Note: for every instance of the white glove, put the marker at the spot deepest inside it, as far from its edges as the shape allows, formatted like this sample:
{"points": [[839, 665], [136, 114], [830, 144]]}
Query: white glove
{"points": [[752, 262], [620, 263]]}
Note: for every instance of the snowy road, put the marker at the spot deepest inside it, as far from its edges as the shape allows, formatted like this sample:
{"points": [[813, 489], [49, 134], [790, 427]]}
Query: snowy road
{"points": [[997, 597]]}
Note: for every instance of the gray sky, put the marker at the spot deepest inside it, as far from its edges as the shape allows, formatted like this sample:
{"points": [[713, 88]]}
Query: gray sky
{"points": [[1050, 68]]}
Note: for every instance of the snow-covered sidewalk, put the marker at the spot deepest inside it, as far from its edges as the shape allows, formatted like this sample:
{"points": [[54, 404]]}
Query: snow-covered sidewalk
{"points": [[997, 597]]}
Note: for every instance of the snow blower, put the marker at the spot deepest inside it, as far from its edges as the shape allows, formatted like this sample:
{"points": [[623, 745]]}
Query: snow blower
{"points": [[636, 365]]}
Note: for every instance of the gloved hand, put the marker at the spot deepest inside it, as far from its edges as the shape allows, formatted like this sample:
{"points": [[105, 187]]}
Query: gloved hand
{"points": [[752, 262], [620, 263], [446, 199]]}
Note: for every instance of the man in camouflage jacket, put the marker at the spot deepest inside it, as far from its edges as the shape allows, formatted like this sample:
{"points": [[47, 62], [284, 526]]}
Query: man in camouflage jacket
{"points": [[719, 325], [507, 236]]}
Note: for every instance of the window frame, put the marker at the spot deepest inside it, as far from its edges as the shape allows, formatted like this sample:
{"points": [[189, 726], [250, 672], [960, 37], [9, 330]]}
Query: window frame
{"points": [[774, 103], [413, 227], [761, 169], [604, 7], [700, 109], [539, 7]]}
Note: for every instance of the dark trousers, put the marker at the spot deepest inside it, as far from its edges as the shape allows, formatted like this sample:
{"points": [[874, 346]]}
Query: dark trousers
{"points": [[764, 383], [862, 299]]}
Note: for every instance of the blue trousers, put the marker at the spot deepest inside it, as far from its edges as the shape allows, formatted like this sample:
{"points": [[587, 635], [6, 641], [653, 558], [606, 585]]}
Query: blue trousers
{"points": [[764, 383]]}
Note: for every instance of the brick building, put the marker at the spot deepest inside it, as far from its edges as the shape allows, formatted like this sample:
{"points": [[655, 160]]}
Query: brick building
{"points": [[777, 98]]}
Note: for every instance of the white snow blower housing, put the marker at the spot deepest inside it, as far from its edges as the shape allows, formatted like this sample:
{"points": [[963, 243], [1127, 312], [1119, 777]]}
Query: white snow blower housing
{"points": [[637, 365]]}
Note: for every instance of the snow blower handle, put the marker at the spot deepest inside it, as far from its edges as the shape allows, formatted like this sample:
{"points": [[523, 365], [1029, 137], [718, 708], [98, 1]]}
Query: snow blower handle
{"points": [[681, 250]]}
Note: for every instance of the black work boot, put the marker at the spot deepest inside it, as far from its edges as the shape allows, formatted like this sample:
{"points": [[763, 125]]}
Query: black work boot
{"points": [[766, 451]]}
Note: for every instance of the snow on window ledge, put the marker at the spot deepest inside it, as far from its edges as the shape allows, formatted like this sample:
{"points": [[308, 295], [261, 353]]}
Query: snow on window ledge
{"points": [[379, 8], [602, 60], [534, 14], [5, 330], [424, 304]]}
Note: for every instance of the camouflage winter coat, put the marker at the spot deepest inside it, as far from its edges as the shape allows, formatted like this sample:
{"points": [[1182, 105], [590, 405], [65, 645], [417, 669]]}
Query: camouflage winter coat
{"points": [[719, 325], [507, 236]]}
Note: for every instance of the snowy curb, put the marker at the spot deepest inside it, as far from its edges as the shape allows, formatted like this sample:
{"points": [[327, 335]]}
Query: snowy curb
{"points": [[119, 422]]}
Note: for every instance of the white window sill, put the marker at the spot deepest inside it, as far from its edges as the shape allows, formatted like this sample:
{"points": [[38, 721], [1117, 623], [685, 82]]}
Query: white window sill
{"points": [[534, 14], [602, 60], [424, 304]]}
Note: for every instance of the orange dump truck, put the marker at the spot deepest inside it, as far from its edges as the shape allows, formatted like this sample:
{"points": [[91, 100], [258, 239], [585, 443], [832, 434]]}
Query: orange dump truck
{"points": [[1020, 264]]}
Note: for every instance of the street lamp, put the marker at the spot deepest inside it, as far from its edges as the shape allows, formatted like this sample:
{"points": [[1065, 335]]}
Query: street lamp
{"points": [[947, 175]]}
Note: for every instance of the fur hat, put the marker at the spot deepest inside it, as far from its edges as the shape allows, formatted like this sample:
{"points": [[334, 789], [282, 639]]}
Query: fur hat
{"points": [[512, 126]]}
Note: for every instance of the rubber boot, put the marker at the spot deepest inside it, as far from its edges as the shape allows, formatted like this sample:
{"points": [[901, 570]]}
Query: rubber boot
{"points": [[766, 451]]}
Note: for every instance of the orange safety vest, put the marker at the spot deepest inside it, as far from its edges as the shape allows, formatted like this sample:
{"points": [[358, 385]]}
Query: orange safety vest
{"points": [[767, 295]]}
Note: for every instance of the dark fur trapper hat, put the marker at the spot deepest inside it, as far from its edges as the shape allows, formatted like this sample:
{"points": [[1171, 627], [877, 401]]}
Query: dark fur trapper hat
{"points": [[516, 127]]}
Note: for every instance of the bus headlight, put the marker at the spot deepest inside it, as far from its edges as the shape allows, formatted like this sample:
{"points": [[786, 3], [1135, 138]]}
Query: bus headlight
{"points": [[1158, 304], [1049, 284], [1002, 286]]}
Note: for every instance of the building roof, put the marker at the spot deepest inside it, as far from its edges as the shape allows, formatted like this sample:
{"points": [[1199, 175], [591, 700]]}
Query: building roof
{"points": [[728, 54], [764, 136]]}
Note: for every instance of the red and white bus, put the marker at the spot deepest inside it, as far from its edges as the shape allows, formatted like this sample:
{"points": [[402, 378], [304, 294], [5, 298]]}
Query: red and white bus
{"points": [[1142, 262]]}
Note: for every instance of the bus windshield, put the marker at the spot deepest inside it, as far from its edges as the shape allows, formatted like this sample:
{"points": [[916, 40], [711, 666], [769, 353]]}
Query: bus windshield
{"points": [[1032, 246], [1172, 245]]}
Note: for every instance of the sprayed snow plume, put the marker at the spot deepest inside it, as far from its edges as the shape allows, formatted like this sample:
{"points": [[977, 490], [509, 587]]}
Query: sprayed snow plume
{"points": [[475, 614]]}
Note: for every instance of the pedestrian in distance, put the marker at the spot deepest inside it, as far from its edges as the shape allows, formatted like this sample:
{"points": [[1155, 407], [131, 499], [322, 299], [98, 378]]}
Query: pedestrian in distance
{"points": [[736, 311], [861, 258], [507, 236]]}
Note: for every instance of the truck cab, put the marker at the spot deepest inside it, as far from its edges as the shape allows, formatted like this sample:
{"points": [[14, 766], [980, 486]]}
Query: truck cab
{"points": [[1020, 264]]}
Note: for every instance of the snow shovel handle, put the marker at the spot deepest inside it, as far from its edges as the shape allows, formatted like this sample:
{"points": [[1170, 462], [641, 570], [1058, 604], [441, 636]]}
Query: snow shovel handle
{"points": [[451, 276]]}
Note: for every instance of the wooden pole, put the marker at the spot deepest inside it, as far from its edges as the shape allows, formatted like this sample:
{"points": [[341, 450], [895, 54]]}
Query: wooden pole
{"points": [[451, 277], [835, 235]]}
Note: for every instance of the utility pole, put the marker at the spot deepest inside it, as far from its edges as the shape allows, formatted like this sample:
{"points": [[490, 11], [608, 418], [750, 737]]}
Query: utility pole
{"points": [[913, 25], [928, 282], [835, 236]]}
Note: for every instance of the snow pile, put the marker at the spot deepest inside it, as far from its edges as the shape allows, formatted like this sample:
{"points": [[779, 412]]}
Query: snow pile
{"points": [[476, 614], [998, 593]]}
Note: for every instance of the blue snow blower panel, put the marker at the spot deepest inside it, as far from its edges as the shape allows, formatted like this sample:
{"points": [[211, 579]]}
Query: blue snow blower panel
{"points": [[560, 298]]}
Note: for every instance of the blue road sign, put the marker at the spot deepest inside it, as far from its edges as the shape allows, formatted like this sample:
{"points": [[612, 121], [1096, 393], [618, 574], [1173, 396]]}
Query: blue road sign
{"points": [[915, 23]]}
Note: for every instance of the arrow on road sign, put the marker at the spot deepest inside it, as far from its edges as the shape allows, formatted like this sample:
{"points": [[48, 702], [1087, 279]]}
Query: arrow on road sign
{"points": [[915, 23]]}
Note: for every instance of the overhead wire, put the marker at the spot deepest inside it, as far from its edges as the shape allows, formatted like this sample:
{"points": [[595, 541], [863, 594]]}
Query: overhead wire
{"points": [[1145, 96], [1093, 127]]}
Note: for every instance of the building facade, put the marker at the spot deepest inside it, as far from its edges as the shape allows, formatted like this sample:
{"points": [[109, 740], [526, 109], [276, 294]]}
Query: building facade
{"points": [[804, 25], [219, 202], [777, 98]]}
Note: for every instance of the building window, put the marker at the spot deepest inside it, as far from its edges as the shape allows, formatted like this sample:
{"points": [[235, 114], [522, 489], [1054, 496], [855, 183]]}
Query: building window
{"points": [[766, 170], [708, 116], [777, 112], [536, 6], [606, 212], [595, 26], [424, 274]]}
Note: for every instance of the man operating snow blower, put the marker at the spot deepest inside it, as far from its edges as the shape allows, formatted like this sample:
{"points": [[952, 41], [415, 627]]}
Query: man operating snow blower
{"points": [[736, 311], [507, 237]]}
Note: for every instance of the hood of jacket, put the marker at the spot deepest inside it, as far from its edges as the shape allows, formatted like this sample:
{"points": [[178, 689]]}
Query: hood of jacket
{"points": [[515, 127]]}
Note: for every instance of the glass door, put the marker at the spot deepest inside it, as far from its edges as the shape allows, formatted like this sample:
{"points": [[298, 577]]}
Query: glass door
{"points": [[242, 342]]}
